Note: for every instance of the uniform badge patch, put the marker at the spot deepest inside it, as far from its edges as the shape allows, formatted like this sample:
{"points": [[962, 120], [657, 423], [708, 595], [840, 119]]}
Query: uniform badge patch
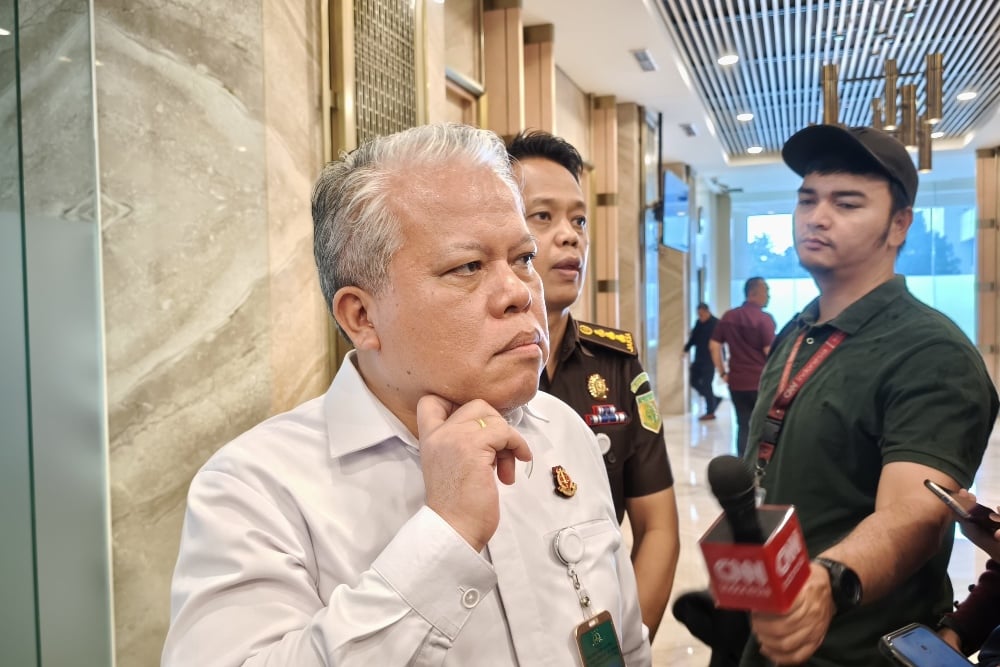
{"points": [[639, 380], [597, 386], [565, 486], [649, 414]]}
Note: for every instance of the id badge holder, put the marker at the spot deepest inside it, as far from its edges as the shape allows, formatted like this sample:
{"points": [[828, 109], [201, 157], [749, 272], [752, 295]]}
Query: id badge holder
{"points": [[596, 638], [597, 641]]}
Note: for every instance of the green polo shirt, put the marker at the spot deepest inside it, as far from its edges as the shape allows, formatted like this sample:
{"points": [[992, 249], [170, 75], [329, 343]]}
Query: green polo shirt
{"points": [[905, 385]]}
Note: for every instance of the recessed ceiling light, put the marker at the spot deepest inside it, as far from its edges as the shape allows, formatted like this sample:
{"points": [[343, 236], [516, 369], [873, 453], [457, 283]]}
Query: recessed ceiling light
{"points": [[937, 135], [744, 117], [65, 59], [728, 59], [966, 96], [4, 33], [753, 150]]}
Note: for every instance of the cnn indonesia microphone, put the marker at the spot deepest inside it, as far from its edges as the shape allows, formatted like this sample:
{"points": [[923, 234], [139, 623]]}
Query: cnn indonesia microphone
{"points": [[756, 557]]}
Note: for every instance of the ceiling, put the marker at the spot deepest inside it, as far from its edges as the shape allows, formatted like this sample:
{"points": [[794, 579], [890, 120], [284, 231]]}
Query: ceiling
{"points": [[782, 45]]}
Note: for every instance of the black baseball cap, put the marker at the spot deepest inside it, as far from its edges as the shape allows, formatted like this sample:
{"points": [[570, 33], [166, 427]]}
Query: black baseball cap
{"points": [[866, 147]]}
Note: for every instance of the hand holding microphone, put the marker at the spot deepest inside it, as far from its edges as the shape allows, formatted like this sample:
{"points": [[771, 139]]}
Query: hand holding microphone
{"points": [[757, 561], [756, 557]]}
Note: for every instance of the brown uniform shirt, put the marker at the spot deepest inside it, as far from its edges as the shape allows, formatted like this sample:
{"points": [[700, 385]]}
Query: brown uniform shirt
{"points": [[599, 376]]}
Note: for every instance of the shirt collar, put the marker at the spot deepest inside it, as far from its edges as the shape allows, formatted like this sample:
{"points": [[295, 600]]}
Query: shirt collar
{"points": [[356, 419], [571, 341], [856, 315]]}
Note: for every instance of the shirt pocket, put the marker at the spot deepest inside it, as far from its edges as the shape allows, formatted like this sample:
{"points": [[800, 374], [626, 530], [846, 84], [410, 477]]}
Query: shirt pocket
{"points": [[598, 567]]}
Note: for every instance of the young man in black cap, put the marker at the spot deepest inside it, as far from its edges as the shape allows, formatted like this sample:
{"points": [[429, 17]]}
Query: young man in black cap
{"points": [[893, 393]]}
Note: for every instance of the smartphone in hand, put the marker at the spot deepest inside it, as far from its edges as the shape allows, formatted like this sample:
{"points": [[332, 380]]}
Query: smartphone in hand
{"points": [[979, 515], [917, 645]]}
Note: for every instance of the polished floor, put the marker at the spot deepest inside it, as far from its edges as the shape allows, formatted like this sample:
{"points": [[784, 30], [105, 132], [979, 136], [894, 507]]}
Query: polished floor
{"points": [[692, 444]]}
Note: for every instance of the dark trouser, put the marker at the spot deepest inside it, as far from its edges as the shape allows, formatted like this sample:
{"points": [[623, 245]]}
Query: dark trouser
{"points": [[701, 382], [743, 402], [725, 631]]}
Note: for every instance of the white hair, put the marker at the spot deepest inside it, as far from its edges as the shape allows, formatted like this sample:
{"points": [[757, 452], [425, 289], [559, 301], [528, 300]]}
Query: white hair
{"points": [[355, 231]]}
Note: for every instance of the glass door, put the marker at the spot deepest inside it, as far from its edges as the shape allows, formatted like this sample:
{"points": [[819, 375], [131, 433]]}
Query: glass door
{"points": [[18, 609]]}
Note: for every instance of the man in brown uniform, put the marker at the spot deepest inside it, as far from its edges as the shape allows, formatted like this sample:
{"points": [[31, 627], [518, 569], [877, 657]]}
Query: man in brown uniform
{"points": [[595, 369]]}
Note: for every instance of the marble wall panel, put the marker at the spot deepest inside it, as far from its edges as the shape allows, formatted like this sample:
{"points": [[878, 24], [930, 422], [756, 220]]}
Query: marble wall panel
{"points": [[462, 25], [630, 289], [670, 369], [210, 138], [435, 60], [299, 319], [573, 114]]}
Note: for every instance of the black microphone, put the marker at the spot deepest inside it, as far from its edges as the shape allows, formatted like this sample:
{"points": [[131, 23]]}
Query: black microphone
{"points": [[732, 484]]}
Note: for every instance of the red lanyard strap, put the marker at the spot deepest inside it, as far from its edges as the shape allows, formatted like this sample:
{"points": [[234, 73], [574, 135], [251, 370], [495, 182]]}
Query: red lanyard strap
{"points": [[787, 391]]}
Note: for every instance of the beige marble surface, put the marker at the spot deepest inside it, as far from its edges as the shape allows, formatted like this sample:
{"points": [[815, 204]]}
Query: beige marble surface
{"points": [[209, 139], [573, 114], [630, 308], [462, 47], [299, 319], [691, 444], [671, 370]]}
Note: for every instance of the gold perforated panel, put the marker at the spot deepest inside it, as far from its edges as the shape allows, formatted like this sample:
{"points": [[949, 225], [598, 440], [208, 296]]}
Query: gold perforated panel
{"points": [[385, 67]]}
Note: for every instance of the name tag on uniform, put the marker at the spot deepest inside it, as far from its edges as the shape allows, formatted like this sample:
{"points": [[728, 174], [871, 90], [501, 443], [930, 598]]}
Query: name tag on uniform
{"points": [[598, 642]]}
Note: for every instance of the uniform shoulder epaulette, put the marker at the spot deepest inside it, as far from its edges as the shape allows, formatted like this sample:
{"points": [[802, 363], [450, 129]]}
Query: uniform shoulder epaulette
{"points": [[616, 339]]}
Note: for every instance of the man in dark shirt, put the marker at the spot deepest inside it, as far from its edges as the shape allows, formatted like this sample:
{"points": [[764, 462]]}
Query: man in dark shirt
{"points": [[702, 371], [747, 332], [868, 393], [595, 369]]}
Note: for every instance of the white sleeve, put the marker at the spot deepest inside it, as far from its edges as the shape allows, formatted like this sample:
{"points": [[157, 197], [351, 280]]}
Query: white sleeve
{"points": [[635, 635], [245, 592]]}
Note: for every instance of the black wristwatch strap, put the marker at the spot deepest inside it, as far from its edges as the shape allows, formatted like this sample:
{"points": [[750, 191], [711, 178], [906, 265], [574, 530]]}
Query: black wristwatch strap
{"points": [[844, 584]]}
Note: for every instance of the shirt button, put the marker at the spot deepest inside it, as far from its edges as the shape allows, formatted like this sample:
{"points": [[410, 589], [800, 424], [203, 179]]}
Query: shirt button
{"points": [[470, 598], [610, 457]]}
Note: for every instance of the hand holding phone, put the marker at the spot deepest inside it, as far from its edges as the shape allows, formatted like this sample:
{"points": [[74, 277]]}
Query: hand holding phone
{"points": [[916, 645], [977, 522], [979, 514]]}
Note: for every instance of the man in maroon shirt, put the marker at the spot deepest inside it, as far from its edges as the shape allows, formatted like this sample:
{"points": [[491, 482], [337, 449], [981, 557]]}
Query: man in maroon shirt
{"points": [[747, 332]]}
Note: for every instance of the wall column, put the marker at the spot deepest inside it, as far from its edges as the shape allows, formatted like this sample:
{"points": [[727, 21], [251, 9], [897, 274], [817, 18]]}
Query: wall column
{"points": [[540, 77], [988, 205], [605, 132], [503, 59]]}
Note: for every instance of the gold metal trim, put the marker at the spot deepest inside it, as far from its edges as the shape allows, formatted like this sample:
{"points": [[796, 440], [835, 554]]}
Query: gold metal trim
{"points": [[891, 74], [831, 100], [924, 161], [877, 113], [935, 97], [908, 128], [539, 34], [607, 286], [490, 5], [605, 102]]}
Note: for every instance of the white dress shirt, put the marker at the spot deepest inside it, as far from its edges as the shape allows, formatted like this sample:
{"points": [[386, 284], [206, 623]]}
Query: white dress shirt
{"points": [[307, 542]]}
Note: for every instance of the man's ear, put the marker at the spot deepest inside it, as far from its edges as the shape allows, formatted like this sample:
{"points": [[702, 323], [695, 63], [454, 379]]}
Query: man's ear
{"points": [[899, 226], [352, 309]]}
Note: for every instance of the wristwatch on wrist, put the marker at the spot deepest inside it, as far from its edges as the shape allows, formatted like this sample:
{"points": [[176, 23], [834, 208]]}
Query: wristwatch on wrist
{"points": [[844, 584]]}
